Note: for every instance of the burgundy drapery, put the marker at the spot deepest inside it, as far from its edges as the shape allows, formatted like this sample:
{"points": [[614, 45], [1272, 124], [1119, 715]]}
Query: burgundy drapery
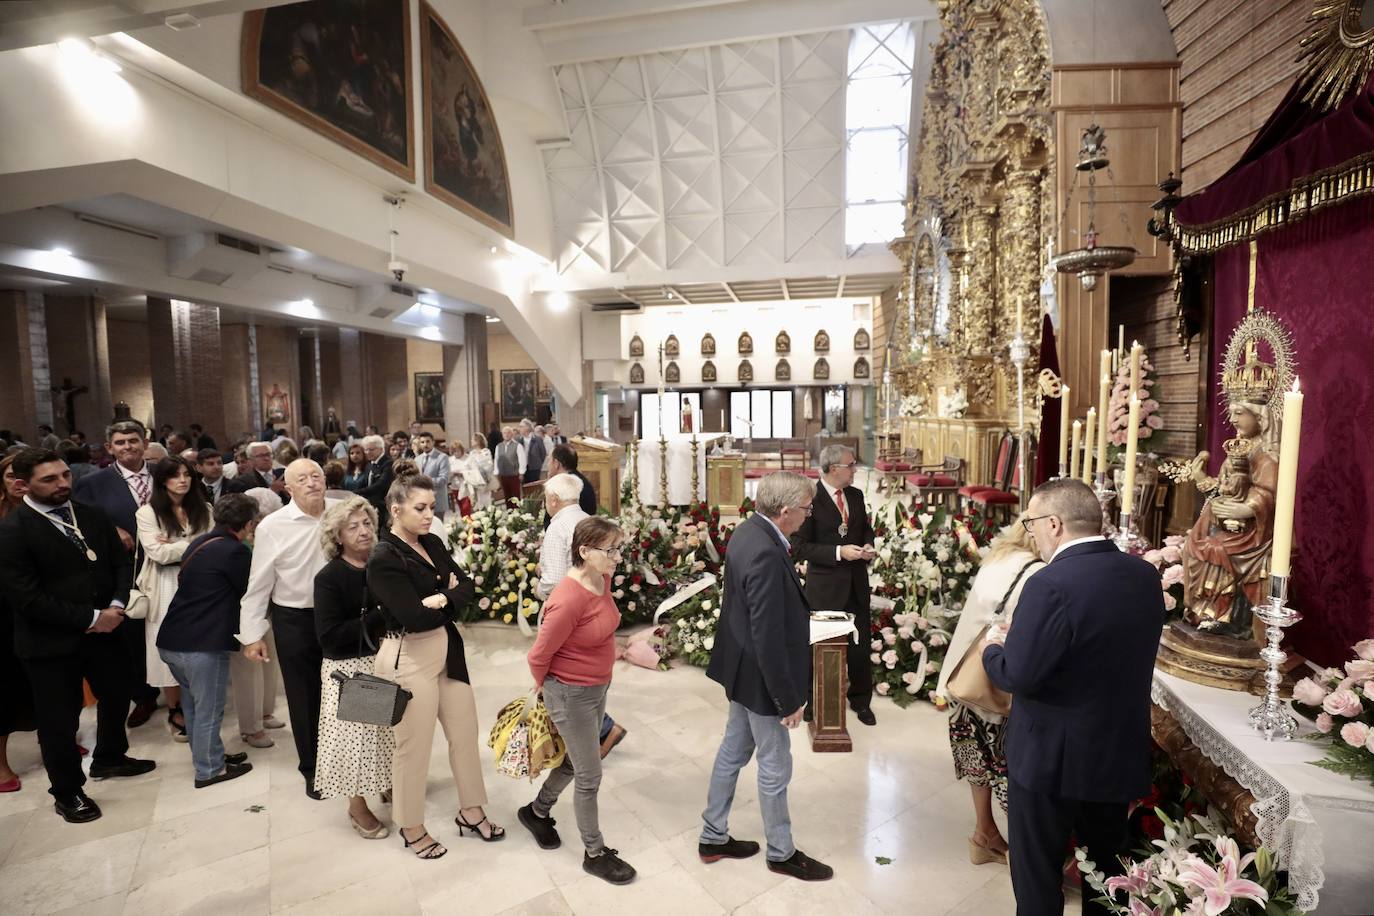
{"points": [[1317, 275]]}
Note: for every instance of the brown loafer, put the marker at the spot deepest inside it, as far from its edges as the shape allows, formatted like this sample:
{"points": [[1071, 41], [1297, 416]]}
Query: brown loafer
{"points": [[613, 737]]}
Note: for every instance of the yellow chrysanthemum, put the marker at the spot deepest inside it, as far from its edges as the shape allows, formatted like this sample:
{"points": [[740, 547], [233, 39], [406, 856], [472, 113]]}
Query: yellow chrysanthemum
{"points": [[505, 618]]}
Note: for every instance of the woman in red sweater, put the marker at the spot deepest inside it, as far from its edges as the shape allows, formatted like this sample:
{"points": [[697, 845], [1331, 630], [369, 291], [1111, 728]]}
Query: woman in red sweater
{"points": [[571, 663]]}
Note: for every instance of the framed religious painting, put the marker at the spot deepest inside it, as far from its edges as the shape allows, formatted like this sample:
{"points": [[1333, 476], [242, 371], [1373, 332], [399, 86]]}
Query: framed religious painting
{"points": [[341, 68], [517, 394], [746, 344], [277, 405], [821, 344], [429, 397], [822, 370], [782, 344], [861, 368], [636, 347], [708, 371], [746, 371], [671, 347], [861, 340], [672, 375], [465, 163], [708, 344], [636, 374], [783, 371]]}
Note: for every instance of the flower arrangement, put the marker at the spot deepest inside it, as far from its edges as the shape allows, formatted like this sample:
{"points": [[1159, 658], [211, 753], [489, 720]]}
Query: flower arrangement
{"points": [[1118, 410], [693, 631], [908, 649], [952, 404], [1169, 561], [499, 548], [1194, 869], [1342, 704], [913, 405]]}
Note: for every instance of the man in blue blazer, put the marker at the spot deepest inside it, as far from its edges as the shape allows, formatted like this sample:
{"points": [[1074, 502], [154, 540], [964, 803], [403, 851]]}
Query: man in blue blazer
{"points": [[119, 490], [762, 657], [1078, 662]]}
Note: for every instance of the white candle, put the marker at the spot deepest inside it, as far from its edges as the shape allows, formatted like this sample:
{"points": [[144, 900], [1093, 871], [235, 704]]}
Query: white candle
{"points": [[1137, 351], [1132, 429], [634, 426], [1064, 427], [1104, 393], [1089, 443], [1121, 338], [1073, 447], [1286, 495]]}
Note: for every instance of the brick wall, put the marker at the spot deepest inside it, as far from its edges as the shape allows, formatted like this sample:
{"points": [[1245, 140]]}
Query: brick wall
{"points": [[78, 350], [279, 364], [1237, 62], [16, 366], [131, 373], [239, 415]]}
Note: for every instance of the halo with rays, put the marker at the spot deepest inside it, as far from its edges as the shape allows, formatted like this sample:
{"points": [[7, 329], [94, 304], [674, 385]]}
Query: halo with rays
{"points": [[1339, 51]]}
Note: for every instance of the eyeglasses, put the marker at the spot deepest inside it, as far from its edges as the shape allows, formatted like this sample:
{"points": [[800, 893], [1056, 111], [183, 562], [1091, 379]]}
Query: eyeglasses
{"points": [[807, 509], [616, 551], [846, 467], [1026, 522]]}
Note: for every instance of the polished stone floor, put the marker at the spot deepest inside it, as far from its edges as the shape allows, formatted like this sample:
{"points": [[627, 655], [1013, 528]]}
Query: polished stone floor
{"points": [[259, 844]]}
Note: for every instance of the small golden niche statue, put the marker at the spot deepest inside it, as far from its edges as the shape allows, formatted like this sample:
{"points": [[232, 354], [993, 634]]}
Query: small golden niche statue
{"points": [[1226, 552]]}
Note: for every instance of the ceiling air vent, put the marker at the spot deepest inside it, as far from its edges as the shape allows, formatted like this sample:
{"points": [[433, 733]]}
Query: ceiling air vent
{"points": [[207, 275], [621, 306], [231, 241], [230, 260]]}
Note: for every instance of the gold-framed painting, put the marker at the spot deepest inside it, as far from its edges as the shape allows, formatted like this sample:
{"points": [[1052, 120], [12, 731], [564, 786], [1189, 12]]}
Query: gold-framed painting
{"points": [[861, 339], [746, 371], [671, 347], [821, 343], [708, 371], [465, 165], [636, 374], [708, 344], [783, 371], [340, 67], [672, 374], [782, 344], [861, 368], [517, 394], [636, 346], [429, 397]]}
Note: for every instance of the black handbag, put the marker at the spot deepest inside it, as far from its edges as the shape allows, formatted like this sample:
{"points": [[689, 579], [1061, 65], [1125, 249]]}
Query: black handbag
{"points": [[366, 698]]}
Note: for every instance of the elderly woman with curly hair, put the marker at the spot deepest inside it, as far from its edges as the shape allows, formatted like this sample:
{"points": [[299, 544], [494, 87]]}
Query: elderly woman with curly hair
{"points": [[354, 759]]}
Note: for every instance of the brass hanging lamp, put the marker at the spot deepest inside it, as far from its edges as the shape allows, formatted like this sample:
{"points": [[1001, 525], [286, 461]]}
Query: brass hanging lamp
{"points": [[1092, 260]]}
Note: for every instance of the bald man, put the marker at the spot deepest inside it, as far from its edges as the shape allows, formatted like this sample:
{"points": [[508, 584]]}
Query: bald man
{"points": [[281, 594]]}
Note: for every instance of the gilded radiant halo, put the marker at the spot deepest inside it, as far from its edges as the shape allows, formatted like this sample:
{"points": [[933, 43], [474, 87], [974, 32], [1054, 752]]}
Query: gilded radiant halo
{"points": [[1339, 49], [1243, 374]]}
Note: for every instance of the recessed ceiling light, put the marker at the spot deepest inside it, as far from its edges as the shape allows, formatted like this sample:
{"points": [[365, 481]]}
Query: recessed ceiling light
{"points": [[64, 252], [492, 319], [308, 303], [492, 248]]}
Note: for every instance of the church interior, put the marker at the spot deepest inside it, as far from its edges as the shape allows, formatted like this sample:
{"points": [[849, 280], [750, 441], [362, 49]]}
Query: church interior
{"points": [[979, 247]]}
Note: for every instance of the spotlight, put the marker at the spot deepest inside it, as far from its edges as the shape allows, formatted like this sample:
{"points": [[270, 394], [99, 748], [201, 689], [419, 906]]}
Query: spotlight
{"points": [[80, 53], [492, 248], [492, 319], [63, 252]]}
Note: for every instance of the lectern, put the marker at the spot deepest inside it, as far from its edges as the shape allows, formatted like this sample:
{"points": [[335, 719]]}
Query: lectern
{"points": [[599, 461], [830, 684]]}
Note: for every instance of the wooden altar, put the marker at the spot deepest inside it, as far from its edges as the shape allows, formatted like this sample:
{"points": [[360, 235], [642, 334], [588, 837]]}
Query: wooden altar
{"points": [[599, 461], [974, 440]]}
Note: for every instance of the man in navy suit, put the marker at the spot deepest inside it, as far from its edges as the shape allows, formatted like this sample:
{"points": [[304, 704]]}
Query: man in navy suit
{"points": [[1078, 662], [119, 490], [762, 657]]}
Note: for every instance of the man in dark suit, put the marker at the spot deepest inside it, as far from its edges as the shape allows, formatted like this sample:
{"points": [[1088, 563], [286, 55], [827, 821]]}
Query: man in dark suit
{"points": [[836, 541], [536, 450], [380, 473], [1078, 663], [762, 657], [259, 472], [67, 576], [120, 490]]}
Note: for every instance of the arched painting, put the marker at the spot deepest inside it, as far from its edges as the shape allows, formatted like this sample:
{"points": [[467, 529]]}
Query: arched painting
{"points": [[672, 374], [783, 343], [466, 165], [822, 342], [636, 347], [671, 347], [290, 60], [822, 370], [861, 340], [746, 344], [708, 344], [861, 369], [783, 371], [636, 374], [708, 371], [746, 371]]}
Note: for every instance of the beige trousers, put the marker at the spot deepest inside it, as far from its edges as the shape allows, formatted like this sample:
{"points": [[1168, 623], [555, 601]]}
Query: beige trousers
{"points": [[255, 687], [435, 698]]}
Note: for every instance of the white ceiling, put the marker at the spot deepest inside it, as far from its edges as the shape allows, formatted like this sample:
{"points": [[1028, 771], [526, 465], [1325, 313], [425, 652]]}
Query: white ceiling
{"points": [[24, 23]]}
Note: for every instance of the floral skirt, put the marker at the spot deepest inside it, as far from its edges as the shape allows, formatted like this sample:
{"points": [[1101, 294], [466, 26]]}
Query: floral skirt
{"points": [[977, 747], [353, 758]]}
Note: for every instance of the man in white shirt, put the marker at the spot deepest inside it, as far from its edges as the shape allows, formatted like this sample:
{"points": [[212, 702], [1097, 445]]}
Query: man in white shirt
{"points": [[555, 555], [509, 458], [281, 594]]}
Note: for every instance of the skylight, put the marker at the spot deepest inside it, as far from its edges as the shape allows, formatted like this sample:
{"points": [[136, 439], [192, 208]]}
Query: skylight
{"points": [[877, 119]]}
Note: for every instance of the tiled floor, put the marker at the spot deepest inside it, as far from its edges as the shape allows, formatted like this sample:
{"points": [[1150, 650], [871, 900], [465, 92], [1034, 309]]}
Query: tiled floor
{"points": [[259, 845]]}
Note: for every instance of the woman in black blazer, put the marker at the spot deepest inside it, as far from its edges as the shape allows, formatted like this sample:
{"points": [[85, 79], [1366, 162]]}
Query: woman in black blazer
{"points": [[354, 759], [421, 588]]}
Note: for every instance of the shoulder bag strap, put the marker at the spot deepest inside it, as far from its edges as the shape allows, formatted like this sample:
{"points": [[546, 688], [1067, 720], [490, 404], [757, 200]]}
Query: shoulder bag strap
{"points": [[1002, 605], [199, 547]]}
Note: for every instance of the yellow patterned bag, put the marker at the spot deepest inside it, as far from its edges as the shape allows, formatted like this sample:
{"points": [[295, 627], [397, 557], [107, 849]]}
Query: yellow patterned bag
{"points": [[524, 739]]}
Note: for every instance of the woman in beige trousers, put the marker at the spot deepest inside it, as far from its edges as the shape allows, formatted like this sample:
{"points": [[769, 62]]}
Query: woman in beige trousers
{"points": [[420, 589]]}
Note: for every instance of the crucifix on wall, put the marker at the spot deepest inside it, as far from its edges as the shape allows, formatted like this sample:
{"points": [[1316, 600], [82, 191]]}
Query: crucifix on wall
{"points": [[66, 402]]}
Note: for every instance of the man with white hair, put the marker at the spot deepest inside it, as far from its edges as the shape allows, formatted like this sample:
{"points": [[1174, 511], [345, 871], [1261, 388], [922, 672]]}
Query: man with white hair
{"points": [[535, 450], [287, 554], [258, 472], [379, 471], [762, 658], [510, 463]]}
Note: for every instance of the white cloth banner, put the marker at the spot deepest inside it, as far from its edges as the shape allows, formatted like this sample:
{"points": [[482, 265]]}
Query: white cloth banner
{"points": [[650, 452]]}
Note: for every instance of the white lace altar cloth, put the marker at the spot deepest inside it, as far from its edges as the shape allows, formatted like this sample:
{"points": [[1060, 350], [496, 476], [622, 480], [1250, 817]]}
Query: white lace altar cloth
{"points": [[1319, 823]]}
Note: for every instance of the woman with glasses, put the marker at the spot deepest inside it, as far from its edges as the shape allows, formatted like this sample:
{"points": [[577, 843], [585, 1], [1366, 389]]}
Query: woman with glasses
{"points": [[975, 738], [571, 663]]}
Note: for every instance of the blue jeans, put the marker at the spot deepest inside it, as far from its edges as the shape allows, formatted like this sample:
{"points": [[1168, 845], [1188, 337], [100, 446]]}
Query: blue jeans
{"points": [[204, 679], [745, 732]]}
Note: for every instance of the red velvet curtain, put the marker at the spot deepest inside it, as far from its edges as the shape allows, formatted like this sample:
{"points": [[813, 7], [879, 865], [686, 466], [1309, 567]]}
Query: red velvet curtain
{"points": [[1317, 275]]}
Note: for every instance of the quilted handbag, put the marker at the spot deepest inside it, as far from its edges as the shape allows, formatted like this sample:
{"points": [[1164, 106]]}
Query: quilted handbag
{"points": [[370, 700]]}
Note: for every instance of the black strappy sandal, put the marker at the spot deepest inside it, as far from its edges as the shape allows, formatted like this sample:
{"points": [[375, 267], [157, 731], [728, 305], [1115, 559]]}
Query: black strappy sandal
{"points": [[497, 833], [424, 852]]}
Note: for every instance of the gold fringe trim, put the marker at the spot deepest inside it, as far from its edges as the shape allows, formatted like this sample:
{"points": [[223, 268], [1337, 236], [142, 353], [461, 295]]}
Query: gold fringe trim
{"points": [[1351, 179]]}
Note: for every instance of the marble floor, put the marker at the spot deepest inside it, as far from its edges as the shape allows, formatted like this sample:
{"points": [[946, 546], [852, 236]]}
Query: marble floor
{"points": [[258, 844]]}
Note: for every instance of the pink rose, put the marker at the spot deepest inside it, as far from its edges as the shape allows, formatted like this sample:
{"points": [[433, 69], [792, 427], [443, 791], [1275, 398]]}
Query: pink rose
{"points": [[1369, 690], [1171, 553], [1343, 702], [1369, 742], [875, 658], [1169, 602], [916, 647], [1308, 692], [889, 638], [890, 659], [1154, 558], [1355, 733], [1365, 649], [1324, 723], [882, 688], [1360, 670], [1172, 576]]}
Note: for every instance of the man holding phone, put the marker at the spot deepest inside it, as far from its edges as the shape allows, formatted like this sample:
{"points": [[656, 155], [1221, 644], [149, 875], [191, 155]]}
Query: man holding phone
{"points": [[836, 541]]}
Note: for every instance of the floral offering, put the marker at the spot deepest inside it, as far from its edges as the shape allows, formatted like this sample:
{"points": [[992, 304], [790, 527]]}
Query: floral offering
{"points": [[1341, 702]]}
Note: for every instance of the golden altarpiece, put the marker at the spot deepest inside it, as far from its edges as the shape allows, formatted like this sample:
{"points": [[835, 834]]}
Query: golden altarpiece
{"points": [[981, 205]]}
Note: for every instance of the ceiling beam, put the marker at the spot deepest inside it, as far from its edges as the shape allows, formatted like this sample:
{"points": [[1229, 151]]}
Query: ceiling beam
{"points": [[786, 291], [839, 290], [730, 291]]}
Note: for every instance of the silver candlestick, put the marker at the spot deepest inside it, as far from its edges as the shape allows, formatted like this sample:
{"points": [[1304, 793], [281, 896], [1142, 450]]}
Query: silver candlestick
{"points": [[1127, 539], [1270, 718], [1105, 494], [1019, 351]]}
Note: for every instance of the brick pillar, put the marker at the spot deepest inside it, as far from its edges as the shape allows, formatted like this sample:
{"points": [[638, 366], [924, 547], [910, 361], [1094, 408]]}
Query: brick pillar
{"points": [[465, 381], [79, 354], [352, 404], [17, 408], [187, 364]]}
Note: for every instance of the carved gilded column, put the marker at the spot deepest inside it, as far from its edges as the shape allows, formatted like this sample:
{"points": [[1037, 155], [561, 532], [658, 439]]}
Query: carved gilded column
{"points": [[1020, 249], [981, 304]]}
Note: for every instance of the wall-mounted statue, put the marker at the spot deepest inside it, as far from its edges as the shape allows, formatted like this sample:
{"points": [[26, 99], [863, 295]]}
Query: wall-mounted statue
{"points": [[782, 343], [822, 342], [861, 369], [746, 371], [672, 375], [861, 340], [783, 371], [822, 370], [671, 347], [636, 374], [708, 344], [746, 344], [708, 371], [636, 347]]}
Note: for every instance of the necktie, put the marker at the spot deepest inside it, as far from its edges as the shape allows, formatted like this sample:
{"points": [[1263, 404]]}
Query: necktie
{"points": [[844, 507], [140, 482], [64, 513]]}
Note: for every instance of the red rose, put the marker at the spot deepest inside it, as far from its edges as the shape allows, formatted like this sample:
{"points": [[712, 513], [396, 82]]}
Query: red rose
{"points": [[646, 543], [1153, 826]]}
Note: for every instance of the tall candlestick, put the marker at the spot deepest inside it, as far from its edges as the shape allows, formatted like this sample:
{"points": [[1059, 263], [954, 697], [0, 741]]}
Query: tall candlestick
{"points": [[1137, 351], [1128, 486], [1089, 444], [1105, 363], [1063, 429], [1287, 492], [1073, 447], [1104, 393], [1121, 338], [634, 426], [1018, 318]]}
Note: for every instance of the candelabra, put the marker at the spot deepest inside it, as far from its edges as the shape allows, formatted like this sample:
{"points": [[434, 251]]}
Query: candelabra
{"points": [[1270, 718], [1105, 494], [696, 476], [632, 460], [1020, 354], [662, 470], [1126, 538]]}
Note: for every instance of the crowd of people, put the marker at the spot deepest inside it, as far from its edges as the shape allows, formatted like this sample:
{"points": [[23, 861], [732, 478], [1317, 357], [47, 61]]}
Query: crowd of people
{"points": [[163, 575]]}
